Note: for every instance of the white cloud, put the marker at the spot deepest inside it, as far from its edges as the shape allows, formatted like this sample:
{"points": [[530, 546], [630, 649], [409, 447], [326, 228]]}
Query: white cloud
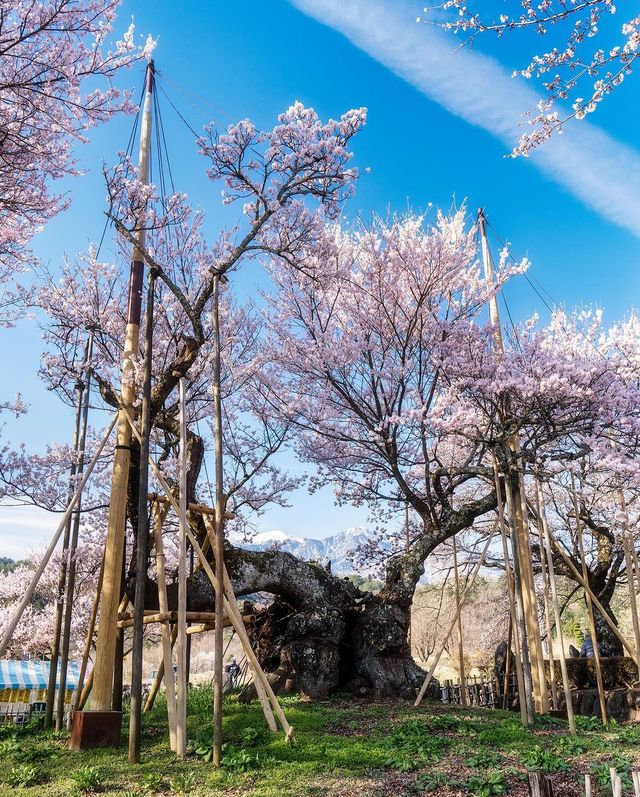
{"points": [[25, 529], [587, 162]]}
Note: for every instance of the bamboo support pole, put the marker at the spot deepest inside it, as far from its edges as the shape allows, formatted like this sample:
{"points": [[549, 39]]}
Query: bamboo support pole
{"points": [[162, 672], [159, 515], [556, 606], [628, 560], [465, 592], [263, 687], [116, 524], [35, 578], [516, 617], [463, 689], [70, 586], [181, 641], [592, 624]]}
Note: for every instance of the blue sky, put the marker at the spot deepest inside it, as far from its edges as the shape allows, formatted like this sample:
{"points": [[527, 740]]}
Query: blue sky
{"points": [[439, 122]]}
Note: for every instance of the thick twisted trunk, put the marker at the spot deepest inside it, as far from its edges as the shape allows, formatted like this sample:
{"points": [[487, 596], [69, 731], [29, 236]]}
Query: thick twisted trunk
{"points": [[332, 636]]}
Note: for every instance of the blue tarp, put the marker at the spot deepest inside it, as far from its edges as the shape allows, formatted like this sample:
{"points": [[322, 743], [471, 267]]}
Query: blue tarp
{"points": [[33, 674]]}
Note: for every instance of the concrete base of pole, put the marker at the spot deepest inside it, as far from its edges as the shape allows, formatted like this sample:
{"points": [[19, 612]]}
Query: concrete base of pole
{"points": [[95, 729]]}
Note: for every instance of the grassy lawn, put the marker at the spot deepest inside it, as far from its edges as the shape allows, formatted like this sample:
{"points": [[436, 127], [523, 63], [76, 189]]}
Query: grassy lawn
{"points": [[343, 748]]}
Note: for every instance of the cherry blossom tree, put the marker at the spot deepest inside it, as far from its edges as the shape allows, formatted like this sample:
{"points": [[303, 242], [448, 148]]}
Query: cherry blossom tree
{"points": [[384, 366], [290, 180], [583, 63], [57, 68]]}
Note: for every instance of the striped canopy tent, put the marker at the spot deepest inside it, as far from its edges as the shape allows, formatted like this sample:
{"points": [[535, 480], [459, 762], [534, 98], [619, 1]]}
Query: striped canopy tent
{"points": [[33, 674]]}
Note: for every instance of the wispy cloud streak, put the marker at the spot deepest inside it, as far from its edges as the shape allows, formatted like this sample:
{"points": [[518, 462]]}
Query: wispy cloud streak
{"points": [[586, 161]]}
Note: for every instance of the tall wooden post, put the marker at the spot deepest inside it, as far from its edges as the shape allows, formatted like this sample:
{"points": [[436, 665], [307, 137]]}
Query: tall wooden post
{"points": [[114, 547], [516, 614], [181, 643], [556, 607], [166, 664], [547, 617], [219, 529], [73, 544], [524, 569], [62, 577], [463, 685], [142, 535], [587, 596]]}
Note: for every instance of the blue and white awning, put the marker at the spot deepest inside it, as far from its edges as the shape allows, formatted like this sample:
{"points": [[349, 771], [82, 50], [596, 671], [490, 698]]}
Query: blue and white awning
{"points": [[33, 674]]}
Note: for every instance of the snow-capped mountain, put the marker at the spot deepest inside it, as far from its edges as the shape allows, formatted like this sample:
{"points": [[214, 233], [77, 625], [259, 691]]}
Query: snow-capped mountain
{"points": [[336, 549]]}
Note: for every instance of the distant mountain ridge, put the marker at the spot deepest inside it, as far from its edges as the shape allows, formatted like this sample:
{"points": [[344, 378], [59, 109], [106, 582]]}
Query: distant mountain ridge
{"points": [[337, 549]]}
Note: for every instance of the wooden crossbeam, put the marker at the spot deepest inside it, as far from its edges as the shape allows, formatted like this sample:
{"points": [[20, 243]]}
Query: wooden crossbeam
{"points": [[201, 509]]}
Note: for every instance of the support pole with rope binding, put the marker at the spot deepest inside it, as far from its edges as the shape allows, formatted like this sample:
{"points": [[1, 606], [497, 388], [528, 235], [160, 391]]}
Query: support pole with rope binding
{"points": [[523, 568], [114, 547]]}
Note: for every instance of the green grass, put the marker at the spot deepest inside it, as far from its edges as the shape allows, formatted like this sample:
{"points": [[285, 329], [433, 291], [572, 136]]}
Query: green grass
{"points": [[342, 747]]}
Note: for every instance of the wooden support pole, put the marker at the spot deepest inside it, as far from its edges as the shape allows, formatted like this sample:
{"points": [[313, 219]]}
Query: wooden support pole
{"points": [[89, 639], [142, 535], [262, 684], [463, 685], [163, 672], [62, 578], [527, 666], [35, 578], [218, 541], [547, 614], [181, 642], [507, 664], [578, 577], [465, 592], [114, 546], [159, 515], [556, 606], [539, 785], [200, 509], [531, 642], [534, 637], [515, 609], [628, 560], [592, 625]]}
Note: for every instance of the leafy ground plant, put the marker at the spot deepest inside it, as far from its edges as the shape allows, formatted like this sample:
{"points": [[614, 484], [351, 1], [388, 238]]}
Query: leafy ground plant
{"points": [[88, 779], [26, 775], [493, 783], [542, 760]]}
